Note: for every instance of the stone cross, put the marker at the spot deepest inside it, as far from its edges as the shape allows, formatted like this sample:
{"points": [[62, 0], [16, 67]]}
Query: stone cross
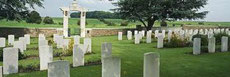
{"points": [[78, 56], [10, 60], [111, 67], [224, 44], [59, 69], [151, 65], [197, 46]]}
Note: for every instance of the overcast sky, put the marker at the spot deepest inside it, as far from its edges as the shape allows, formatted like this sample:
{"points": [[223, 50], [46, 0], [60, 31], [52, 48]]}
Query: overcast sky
{"points": [[219, 10]]}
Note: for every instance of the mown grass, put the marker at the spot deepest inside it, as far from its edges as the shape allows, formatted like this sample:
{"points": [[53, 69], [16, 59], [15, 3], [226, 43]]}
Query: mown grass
{"points": [[94, 23], [175, 62]]}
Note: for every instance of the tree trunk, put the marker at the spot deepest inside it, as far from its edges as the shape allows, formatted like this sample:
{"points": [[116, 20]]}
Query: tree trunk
{"points": [[150, 24]]}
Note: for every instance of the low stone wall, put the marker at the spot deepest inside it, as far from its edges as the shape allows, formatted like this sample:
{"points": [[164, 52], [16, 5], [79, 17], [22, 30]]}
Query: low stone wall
{"points": [[34, 32], [93, 32]]}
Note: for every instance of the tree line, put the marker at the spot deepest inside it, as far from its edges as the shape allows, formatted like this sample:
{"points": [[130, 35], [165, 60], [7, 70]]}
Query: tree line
{"points": [[96, 14]]}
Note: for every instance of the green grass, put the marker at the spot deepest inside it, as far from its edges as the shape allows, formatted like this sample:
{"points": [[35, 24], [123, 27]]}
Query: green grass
{"points": [[94, 23], [175, 62]]}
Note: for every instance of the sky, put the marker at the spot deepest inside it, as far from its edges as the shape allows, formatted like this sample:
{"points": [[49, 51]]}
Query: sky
{"points": [[219, 10]]}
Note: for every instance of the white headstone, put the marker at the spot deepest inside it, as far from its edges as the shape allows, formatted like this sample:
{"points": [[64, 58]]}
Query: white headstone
{"points": [[224, 44], [10, 60], [169, 35], [59, 69], [160, 40], [59, 41], [151, 65], [111, 67], [2, 42], [27, 38], [143, 33], [11, 39], [119, 35], [197, 46], [23, 39], [106, 50], [42, 43], [65, 43], [137, 39], [212, 45], [1, 71], [129, 35], [149, 37], [78, 56], [156, 33], [76, 40], [135, 32], [19, 45], [41, 37], [163, 32], [88, 45], [46, 56]]}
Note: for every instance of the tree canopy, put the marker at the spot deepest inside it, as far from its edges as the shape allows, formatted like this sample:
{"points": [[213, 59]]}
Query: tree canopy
{"points": [[149, 11], [17, 9]]}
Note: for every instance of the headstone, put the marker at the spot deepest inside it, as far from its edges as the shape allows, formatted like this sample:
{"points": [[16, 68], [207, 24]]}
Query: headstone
{"points": [[41, 37], [137, 39], [10, 39], [119, 35], [197, 46], [212, 45], [143, 33], [156, 33], [149, 37], [111, 67], [76, 40], [46, 56], [23, 39], [78, 56], [27, 38], [1, 71], [88, 45], [224, 44], [169, 35], [10, 60], [65, 43], [59, 41], [2, 42], [152, 65], [19, 45], [59, 69], [210, 34], [163, 32], [160, 40], [135, 32], [106, 50], [54, 37], [129, 35], [42, 43]]}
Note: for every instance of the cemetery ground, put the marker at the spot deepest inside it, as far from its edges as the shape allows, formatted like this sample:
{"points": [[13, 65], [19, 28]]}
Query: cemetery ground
{"points": [[95, 23], [174, 62]]}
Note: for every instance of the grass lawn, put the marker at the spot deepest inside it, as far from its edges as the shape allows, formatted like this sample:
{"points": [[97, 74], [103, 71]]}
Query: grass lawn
{"points": [[94, 23], [175, 62]]}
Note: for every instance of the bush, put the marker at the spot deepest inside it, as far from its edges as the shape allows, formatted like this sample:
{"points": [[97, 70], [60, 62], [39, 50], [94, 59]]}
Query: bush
{"points": [[69, 51], [200, 23], [34, 17], [176, 42], [124, 23], [204, 39], [219, 37], [48, 20], [106, 22]]}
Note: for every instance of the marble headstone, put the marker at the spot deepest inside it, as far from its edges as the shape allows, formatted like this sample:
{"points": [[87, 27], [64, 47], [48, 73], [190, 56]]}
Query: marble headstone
{"points": [[151, 65], [224, 44], [10, 60], [59, 69], [111, 67], [46, 56], [78, 56], [11, 39], [197, 46], [2, 42]]}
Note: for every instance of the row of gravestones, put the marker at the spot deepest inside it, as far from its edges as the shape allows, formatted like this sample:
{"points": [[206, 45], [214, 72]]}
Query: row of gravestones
{"points": [[20, 44], [111, 66], [211, 45], [160, 36]]}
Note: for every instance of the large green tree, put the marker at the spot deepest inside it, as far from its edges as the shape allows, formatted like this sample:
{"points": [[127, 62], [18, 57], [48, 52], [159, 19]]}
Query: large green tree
{"points": [[17, 9], [149, 11]]}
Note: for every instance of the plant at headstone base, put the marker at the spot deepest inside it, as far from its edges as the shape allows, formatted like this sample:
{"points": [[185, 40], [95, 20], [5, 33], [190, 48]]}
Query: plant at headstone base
{"points": [[219, 37], [204, 39], [69, 51], [176, 42], [48, 20], [29, 68], [124, 23], [34, 17]]}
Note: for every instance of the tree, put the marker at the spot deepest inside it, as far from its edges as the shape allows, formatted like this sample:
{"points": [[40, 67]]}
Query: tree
{"points": [[34, 17], [17, 9], [149, 11], [48, 20]]}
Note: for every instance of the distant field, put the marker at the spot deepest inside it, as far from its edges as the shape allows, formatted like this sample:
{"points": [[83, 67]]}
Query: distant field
{"points": [[94, 23]]}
